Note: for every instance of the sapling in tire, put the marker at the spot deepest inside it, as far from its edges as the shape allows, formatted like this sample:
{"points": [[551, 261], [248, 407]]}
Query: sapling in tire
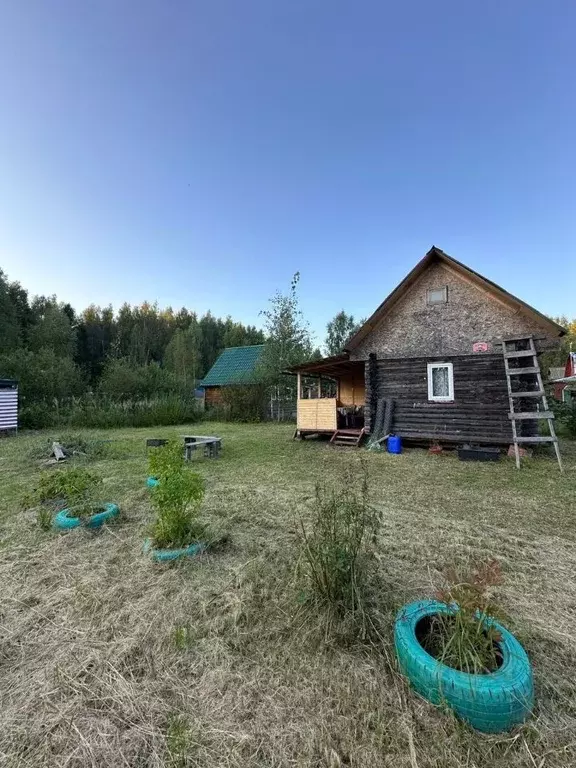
{"points": [[454, 651], [177, 498]]}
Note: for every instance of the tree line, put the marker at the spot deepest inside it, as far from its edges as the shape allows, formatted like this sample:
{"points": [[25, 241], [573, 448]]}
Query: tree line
{"points": [[558, 356], [56, 353], [140, 352]]}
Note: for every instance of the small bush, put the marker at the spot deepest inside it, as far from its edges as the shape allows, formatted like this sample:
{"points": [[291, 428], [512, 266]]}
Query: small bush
{"points": [[177, 498], [246, 404], [336, 544], [62, 488], [37, 416], [565, 414], [166, 460], [462, 640], [217, 412]]}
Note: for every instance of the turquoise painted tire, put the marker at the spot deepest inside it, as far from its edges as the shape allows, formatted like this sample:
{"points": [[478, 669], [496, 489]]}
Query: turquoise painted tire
{"points": [[152, 482], [165, 555], [64, 520], [491, 703]]}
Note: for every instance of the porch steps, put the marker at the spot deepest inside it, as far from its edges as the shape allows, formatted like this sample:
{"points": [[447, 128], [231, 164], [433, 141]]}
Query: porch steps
{"points": [[350, 437]]}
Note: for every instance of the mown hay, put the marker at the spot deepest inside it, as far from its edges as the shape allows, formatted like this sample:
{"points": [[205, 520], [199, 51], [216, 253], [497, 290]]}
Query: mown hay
{"points": [[108, 660]]}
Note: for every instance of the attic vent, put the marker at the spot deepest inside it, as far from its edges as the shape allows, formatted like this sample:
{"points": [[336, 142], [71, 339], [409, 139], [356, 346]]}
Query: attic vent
{"points": [[437, 296]]}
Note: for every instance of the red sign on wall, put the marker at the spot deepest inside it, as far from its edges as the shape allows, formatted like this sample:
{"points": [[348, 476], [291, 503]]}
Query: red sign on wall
{"points": [[480, 346]]}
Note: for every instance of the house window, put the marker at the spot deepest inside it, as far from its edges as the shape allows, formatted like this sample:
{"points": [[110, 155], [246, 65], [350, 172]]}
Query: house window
{"points": [[437, 296], [440, 382]]}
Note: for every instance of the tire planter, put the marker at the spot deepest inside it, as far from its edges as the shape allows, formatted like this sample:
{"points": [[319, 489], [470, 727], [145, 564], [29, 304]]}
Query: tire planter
{"points": [[493, 702], [65, 519], [165, 555], [152, 482]]}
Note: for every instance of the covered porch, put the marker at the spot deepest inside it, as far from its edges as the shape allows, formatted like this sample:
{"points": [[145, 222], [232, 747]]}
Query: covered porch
{"points": [[330, 397]]}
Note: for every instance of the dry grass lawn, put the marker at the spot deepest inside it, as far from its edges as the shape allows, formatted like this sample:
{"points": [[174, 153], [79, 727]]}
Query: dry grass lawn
{"points": [[109, 660]]}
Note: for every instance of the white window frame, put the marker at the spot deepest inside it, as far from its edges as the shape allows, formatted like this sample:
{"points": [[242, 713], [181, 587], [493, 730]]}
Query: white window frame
{"points": [[443, 290], [441, 398]]}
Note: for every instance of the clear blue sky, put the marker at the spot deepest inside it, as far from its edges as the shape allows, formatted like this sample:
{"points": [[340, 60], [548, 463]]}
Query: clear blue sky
{"points": [[199, 152]]}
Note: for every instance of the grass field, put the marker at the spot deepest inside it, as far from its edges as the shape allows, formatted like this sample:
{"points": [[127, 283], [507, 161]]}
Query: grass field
{"points": [[109, 660]]}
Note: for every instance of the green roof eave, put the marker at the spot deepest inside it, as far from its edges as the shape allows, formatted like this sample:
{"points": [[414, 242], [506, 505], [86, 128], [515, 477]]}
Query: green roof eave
{"points": [[235, 365]]}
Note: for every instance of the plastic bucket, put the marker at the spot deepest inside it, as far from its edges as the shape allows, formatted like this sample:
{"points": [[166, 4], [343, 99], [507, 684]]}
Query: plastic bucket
{"points": [[394, 444]]}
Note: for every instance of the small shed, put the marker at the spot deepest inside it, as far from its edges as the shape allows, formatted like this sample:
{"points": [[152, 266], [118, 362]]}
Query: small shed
{"points": [[234, 367], [8, 405]]}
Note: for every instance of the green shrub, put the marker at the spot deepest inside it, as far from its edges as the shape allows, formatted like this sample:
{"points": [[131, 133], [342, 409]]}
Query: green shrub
{"points": [[122, 380], [37, 416], [43, 376], [565, 414], [245, 403], [177, 498], [336, 543], [62, 488], [217, 412], [166, 460]]}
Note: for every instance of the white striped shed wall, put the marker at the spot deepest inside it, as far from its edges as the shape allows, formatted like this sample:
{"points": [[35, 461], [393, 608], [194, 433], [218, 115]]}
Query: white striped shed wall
{"points": [[8, 407]]}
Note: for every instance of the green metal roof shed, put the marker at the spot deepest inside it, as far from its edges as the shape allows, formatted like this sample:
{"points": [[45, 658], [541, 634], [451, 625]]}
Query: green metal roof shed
{"points": [[236, 365]]}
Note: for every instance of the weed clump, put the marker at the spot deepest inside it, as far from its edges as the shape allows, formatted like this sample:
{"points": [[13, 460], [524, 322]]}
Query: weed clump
{"points": [[464, 639], [336, 545], [72, 487]]}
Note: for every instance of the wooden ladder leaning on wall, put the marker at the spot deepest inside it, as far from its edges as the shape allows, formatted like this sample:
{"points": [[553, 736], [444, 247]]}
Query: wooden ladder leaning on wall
{"points": [[532, 371]]}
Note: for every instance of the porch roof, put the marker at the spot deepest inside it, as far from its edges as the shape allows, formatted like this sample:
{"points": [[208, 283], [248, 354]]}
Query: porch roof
{"points": [[335, 366]]}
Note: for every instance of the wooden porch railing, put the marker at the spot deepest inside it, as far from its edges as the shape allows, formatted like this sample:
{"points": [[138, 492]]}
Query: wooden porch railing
{"points": [[317, 414]]}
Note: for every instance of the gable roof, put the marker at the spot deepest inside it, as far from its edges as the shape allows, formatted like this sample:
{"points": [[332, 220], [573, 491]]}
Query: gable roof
{"points": [[235, 365], [436, 255]]}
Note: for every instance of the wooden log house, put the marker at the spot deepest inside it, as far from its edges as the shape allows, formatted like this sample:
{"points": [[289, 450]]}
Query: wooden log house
{"points": [[435, 347]]}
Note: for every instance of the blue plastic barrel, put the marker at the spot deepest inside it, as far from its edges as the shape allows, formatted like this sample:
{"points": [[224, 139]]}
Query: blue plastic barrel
{"points": [[394, 444]]}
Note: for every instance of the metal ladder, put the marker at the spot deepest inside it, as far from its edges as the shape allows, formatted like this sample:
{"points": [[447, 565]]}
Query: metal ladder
{"points": [[511, 364]]}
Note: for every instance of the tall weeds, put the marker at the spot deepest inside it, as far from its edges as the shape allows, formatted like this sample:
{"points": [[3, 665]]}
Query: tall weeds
{"points": [[100, 412], [336, 545]]}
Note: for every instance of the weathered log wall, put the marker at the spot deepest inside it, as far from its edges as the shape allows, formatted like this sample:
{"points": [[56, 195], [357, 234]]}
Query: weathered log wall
{"points": [[480, 409]]}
